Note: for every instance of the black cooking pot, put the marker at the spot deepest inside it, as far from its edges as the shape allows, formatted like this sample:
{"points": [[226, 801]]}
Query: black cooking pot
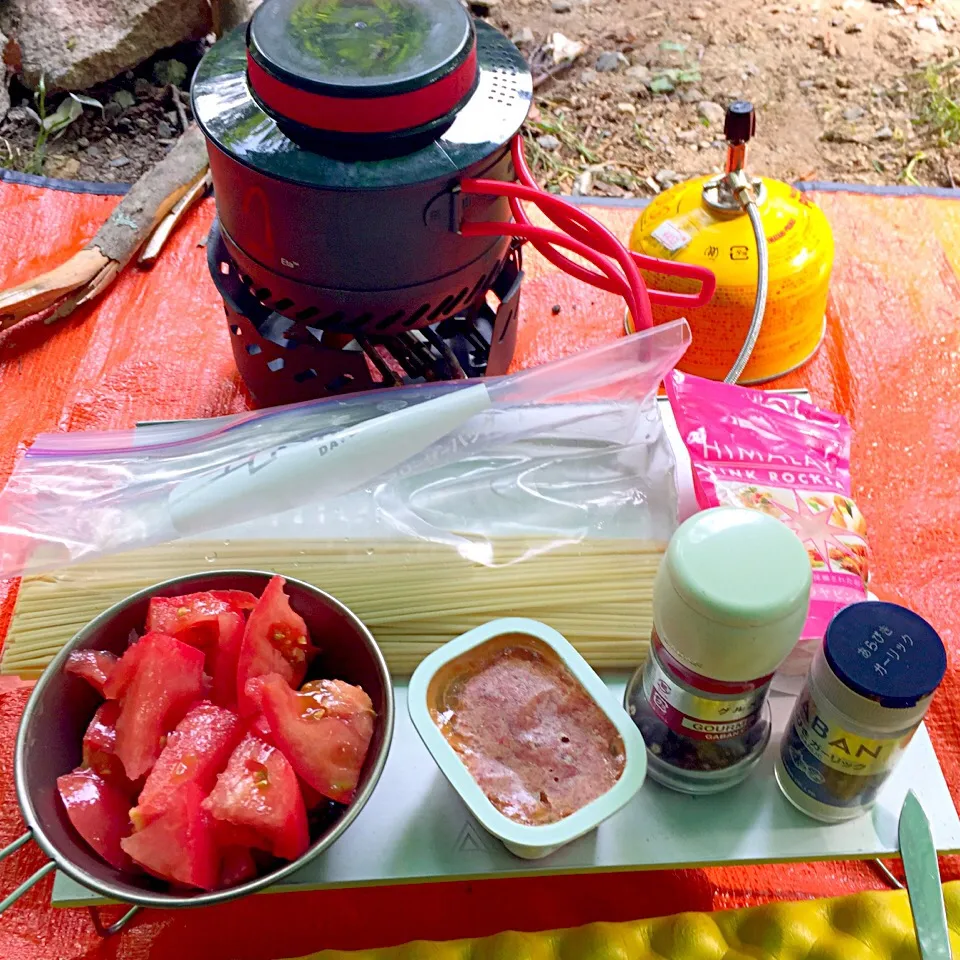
{"points": [[338, 131]]}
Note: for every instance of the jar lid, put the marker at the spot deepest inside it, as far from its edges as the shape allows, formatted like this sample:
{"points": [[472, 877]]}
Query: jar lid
{"points": [[732, 594], [885, 652]]}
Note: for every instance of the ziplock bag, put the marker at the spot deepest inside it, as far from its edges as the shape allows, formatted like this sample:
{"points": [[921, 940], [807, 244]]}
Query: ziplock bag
{"points": [[791, 460], [557, 452]]}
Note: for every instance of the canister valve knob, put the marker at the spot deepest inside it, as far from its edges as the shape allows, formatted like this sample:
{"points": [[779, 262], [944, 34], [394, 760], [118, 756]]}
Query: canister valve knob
{"points": [[740, 123]]}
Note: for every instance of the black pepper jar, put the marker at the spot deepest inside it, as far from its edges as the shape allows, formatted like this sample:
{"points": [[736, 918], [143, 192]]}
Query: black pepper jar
{"points": [[729, 603]]}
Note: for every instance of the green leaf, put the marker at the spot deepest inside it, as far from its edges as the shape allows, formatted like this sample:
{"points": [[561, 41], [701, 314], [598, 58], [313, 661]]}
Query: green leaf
{"points": [[661, 85], [673, 46], [123, 98], [689, 76], [68, 111], [86, 101]]}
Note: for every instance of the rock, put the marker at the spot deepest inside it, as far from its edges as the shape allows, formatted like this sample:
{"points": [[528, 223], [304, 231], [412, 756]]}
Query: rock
{"points": [[523, 37], [124, 98], [627, 108], [928, 24], [639, 72], [844, 83], [231, 13], [805, 84], [561, 6], [884, 133], [548, 142], [142, 88], [83, 142], [853, 114], [76, 44], [4, 87], [583, 184], [666, 178], [689, 136], [610, 60], [112, 111], [63, 168], [854, 28], [589, 76], [564, 48], [698, 13], [164, 129], [691, 95], [119, 162]]}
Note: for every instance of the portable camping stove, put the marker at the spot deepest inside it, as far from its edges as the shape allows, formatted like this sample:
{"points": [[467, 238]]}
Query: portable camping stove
{"points": [[333, 159], [368, 177]]}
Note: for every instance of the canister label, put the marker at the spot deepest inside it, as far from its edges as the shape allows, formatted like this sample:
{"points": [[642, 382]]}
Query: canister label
{"points": [[694, 715], [831, 764]]}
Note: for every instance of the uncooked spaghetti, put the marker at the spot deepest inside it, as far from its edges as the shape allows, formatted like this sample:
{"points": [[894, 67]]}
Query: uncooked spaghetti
{"points": [[413, 595]]}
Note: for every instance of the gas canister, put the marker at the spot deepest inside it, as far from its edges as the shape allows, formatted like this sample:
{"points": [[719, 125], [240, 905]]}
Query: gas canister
{"points": [[701, 222]]}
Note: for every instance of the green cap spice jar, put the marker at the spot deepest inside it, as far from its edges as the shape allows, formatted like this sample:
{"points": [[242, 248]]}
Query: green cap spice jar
{"points": [[868, 689], [729, 603]]}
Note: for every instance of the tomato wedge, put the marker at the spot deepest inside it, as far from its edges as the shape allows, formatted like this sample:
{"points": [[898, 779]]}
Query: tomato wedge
{"points": [[275, 641], [98, 812], [324, 730], [180, 845], [167, 678], [237, 866], [223, 659], [196, 751], [95, 666], [193, 617], [258, 794], [100, 748]]}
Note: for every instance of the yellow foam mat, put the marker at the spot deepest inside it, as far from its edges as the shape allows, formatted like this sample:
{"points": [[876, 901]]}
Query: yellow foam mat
{"points": [[865, 926]]}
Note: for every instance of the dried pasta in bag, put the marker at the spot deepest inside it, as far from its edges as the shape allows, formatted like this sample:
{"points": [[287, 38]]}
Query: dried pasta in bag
{"points": [[791, 460]]}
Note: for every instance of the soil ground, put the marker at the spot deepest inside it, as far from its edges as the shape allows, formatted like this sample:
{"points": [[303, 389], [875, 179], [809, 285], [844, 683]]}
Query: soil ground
{"points": [[850, 90]]}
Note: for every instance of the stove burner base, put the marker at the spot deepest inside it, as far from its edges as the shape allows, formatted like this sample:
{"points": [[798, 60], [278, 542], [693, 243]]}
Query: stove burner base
{"points": [[285, 361]]}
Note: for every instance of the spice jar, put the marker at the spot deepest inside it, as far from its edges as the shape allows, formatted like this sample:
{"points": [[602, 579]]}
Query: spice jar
{"points": [[868, 689], [729, 603]]}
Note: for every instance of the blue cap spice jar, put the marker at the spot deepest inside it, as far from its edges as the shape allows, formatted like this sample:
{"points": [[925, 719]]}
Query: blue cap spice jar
{"points": [[868, 689]]}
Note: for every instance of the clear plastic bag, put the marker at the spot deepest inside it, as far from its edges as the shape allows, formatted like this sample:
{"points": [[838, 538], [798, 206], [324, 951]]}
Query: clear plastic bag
{"points": [[558, 453]]}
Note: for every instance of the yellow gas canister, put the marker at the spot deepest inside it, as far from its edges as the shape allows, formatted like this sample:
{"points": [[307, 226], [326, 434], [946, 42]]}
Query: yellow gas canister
{"points": [[698, 222]]}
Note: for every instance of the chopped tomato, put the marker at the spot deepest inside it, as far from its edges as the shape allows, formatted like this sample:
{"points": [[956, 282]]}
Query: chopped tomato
{"points": [[195, 752], [98, 812], [237, 866], [194, 617], [100, 746], [179, 845], [258, 793], [238, 599], [324, 730], [95, 666], [167, 679], [223, 659], [123, 672], [275, 641], [311, 798]]}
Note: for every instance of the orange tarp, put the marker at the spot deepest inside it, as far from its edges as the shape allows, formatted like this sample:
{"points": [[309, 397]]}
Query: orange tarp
{"points": [[157, 347]]}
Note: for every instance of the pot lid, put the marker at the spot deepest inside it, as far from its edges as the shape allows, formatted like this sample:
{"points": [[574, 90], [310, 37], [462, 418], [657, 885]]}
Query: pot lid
{"points": [[362, 67], [236, 122]]}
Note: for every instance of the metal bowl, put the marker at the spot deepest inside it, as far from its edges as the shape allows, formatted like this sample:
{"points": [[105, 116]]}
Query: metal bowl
{"points": [[61, 706]]}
